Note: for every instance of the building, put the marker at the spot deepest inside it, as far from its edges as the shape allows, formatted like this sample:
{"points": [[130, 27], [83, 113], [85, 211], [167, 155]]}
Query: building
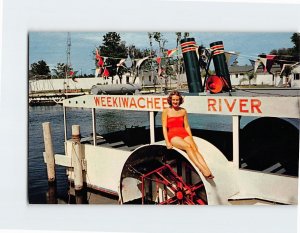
{"points": [[243, 75]]}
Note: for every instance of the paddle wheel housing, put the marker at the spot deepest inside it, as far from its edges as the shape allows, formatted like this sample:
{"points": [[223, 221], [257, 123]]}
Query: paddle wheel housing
{"points": [[156, 175], [153, 174]]}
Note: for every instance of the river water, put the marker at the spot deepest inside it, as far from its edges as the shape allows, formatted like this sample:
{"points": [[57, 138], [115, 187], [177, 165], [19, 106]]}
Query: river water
{"points": [[107, 121]]}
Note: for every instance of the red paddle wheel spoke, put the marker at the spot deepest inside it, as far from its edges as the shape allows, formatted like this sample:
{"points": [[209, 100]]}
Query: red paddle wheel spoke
{"points": [[167, 182], [197, 186], [189, 202], [200, 202], [175, 189], [169, 201]]}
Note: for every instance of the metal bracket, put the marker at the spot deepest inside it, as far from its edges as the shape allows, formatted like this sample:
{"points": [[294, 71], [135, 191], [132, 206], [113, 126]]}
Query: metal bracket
{"points": [[84, 164]]}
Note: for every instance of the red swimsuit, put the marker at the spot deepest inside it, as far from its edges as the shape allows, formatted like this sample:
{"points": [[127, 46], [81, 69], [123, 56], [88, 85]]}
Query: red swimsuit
{"points": [[175, 127]]}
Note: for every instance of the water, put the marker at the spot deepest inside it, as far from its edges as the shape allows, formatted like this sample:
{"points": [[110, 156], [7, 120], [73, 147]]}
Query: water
{"points": [[107, 121], [37, 176]]}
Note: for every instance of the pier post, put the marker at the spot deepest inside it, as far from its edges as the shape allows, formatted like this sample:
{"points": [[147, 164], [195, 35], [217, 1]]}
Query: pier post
{"points": [[152, 127], [65, 123], [51, 197], [77, 157], [49, 151], [94, 127], [236, 140]]}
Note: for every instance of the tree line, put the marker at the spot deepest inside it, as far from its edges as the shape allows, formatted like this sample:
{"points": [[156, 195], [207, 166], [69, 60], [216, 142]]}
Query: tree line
{"points": [[294, 51], [41, 70], [114, 49], [289, 55]]}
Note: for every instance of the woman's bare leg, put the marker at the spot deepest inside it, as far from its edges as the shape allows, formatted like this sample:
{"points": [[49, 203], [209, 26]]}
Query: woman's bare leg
{"points": [[179, 143], [198, 155]]}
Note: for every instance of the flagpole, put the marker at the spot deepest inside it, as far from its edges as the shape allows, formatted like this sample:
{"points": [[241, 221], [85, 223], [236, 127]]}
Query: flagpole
{"points": [[151, 50], [68, 59], [178, 62]]}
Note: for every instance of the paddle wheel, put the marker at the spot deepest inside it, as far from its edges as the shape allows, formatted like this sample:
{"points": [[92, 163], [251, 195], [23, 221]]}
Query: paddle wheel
{"points": [[165, 178], [175, 190]]}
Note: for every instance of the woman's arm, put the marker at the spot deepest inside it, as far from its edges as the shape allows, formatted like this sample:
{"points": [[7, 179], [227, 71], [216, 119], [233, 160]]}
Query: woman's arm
{"points": [[164, 126]]}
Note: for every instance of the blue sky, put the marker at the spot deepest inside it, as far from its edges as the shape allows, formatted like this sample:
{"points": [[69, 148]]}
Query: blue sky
{"points": [[51, 46]]}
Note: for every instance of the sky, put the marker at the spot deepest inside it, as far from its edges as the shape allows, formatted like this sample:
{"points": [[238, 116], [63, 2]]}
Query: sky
{"points": [[51, 46]]}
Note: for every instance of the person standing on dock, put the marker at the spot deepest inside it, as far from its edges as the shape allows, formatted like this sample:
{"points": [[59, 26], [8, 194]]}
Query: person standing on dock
{"points": [[177, 132]]}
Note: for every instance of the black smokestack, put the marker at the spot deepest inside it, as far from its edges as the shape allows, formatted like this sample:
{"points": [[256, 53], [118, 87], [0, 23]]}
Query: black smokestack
{"points": [[220, 63], [188, 48]]}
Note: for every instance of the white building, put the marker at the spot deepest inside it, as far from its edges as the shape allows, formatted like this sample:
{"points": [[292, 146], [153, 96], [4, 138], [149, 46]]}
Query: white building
{"points": [[239, 76], [295, 80]]}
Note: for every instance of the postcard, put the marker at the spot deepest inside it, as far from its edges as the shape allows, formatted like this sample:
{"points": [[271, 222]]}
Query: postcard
{"points": [[163, 118]]}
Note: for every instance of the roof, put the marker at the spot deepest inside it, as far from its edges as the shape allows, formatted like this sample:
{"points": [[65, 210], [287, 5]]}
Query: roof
{"points": [[234, 69], [275, 69]]}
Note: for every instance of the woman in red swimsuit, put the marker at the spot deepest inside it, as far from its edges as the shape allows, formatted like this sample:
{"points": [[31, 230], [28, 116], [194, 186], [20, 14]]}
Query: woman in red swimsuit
{"points": [[177, 132]]}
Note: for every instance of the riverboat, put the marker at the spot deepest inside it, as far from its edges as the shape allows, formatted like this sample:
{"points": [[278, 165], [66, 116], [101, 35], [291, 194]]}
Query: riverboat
{"points": [[254, 164], [136, 166]]}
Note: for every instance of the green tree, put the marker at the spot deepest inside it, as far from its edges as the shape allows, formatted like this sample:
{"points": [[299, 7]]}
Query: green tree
{"points": [[114, 48], [136, 53], [282, 51], [61, 70], [296, 40], [150, 36], [165, 65], [158, 37], [40, 68], [178, 39]]}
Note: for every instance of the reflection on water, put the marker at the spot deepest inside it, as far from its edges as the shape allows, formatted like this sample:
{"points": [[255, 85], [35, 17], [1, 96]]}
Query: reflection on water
{"points": [[111, 120]]}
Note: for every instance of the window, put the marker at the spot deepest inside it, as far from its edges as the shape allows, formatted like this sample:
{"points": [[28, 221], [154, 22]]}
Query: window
{"points": [[296, 76], [149, 78], [236, 75]]}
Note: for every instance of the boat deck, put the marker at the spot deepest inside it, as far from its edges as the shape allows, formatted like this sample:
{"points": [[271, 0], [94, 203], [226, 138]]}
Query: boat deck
{"points": [[103, 142], [128, 140]]}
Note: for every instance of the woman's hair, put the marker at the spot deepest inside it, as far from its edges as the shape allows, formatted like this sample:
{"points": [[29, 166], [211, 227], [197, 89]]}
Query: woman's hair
{"points": [[175, 93]]}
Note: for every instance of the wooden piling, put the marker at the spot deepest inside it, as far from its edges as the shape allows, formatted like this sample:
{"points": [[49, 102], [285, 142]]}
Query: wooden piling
{"points": [[51, 197], [77, 157], [49, 151]]}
